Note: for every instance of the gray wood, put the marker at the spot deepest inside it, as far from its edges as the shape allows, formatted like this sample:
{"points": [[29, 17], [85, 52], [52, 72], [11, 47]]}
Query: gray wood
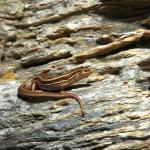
{"points": [[109, 36]]}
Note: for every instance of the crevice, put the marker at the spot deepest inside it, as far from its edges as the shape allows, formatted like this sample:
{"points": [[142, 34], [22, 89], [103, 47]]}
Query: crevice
{"points": [[37, 61]]}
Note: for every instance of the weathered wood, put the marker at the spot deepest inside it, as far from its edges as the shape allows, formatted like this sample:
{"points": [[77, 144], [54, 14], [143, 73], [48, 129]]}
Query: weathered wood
{"points": [[109, 36]]}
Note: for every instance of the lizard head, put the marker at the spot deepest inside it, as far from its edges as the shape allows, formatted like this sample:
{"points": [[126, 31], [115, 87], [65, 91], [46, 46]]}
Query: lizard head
{"points": [[84, 72]]}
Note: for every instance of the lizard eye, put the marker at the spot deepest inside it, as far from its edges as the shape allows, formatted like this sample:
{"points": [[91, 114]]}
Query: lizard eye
{"points": [[87, 70]]}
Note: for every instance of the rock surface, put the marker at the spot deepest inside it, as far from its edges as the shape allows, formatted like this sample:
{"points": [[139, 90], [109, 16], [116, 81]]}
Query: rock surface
{"points": [[110, 36]]}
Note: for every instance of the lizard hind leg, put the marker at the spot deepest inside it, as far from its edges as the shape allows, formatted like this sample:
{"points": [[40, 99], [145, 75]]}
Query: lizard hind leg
{"points": [[29, 85], [33, 86]]}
